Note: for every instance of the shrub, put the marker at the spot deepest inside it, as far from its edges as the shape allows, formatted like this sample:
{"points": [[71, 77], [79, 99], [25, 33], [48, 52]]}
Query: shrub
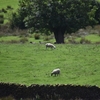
{"points": [[1, 16], [9, 7], [83, 41], [37, 36], [23, 40], [97, 42], [46, 38], [14, 41], [71, 39], [10, 41], [1, 21], [23, 33], [3, 10]]}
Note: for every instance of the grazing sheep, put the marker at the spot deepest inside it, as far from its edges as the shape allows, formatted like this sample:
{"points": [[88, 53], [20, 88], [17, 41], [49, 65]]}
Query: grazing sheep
{"points": [[55, 72], [49, 45]]}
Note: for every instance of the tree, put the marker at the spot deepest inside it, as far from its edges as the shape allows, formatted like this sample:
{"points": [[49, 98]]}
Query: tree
{"points": [[18, 17], [97, 13], [59, 16]]}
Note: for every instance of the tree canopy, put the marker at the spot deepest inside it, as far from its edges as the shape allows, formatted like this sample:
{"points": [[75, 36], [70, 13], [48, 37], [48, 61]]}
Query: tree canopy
{"points": [[58, 16]]}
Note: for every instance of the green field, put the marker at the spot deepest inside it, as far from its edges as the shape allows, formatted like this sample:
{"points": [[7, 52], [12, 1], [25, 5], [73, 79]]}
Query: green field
{"points": [[12, 3], [3, 5], [33, 63]]}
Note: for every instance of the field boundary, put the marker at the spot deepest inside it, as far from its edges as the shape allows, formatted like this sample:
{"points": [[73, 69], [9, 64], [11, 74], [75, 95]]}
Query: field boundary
{"points": [[50, 92]]}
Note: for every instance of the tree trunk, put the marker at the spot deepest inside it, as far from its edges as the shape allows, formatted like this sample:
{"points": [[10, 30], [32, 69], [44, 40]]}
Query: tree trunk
{"points": [[59, 36]]}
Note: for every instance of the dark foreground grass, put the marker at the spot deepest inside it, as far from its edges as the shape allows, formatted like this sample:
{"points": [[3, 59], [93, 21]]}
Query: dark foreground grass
{"points": [[32, 64]]}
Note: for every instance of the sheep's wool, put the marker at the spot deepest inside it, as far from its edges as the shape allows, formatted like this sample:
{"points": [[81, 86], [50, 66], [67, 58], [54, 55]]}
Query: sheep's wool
{"points": [[50, 45], [55, 72]]}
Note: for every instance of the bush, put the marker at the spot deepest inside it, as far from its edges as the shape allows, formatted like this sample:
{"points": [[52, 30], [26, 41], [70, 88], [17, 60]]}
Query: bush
{"points": [[97, 42], [72, 41], [13, 41], [1, 16], [3, 10], [83, 41], [37, 36], [46, 38], [1, 21], [9, 7], [23, 40]]}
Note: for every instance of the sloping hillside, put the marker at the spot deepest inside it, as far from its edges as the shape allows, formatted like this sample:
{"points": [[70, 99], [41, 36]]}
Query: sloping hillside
{"points": [[5, 3]]}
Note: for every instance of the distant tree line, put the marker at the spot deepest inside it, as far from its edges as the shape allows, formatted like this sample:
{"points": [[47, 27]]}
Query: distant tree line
{"points": [[56, 16]]}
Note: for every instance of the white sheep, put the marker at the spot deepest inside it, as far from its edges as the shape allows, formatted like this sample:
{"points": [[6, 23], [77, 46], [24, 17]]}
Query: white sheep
{"points": [[49, 45], [55, 72]]}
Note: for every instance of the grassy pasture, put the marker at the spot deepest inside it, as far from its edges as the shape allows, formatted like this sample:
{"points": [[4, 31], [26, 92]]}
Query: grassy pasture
{"points": [[4, 4], [32, 64], [12, 3], [93, 38]]}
